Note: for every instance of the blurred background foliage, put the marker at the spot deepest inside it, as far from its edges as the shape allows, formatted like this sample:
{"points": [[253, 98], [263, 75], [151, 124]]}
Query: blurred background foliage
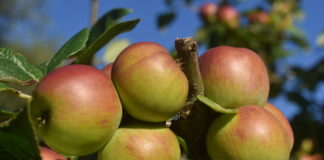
{"points": [[268, 28]]}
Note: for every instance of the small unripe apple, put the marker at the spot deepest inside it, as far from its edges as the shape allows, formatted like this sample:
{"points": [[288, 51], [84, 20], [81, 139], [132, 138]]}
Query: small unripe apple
{"points": [[142, 142], [259, 17], [283, 120], [48, 154], [228, 15], [251, 134], [208, 12], [76, 109], [150, 83], [234, 77]]}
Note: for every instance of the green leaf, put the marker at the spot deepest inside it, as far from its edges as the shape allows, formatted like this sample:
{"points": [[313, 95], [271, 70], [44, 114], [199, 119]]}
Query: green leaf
{"points": [[214, 106], [72, 46], [183, 144], [17, 141], [86, 54], [11, 103], [15, 68], [106, 21], [165, 19], [320, 40], [43, 67], [297, 37]]}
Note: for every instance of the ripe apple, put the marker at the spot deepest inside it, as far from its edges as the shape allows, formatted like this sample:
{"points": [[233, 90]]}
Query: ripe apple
{"points": [[149, 82], [107, 69], [48, 154], [251, 134], [228, 15], [234, 77], [208, 12], [259, 17], [76, 110], [312, 157], [283, 120], [142, 142]]}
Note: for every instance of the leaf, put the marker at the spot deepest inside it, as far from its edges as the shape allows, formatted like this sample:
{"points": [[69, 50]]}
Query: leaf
{"points": [[165, 19], [297, 37], [320, 40], [113, 50], [15, 68], [106, 21], [214, 106], [10, 103], [183, 144], [86, 54], [72, 46], [43, 67], [168, 3], [17, 141]]}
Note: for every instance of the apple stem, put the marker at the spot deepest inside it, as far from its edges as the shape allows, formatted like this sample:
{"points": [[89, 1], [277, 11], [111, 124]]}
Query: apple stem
{"points": [[187, 51], [25, 96]]}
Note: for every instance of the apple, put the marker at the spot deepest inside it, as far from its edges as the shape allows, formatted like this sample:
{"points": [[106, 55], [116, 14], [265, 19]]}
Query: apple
{"points": [[251, 134], [208, 12], [107, 69], [259, 17], [142, 142], [150, 83], [48, 154], [234, 77], [283, 120], [312, 157], [76, 109], [228, 15]]}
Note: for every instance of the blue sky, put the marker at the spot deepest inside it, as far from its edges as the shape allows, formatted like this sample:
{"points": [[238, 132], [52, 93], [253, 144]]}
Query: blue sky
{"points": [[70, 16]]}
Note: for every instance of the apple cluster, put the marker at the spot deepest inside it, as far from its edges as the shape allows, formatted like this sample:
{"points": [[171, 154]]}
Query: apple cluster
{"points": [[237, 78], [210, 13], [78, 110]]}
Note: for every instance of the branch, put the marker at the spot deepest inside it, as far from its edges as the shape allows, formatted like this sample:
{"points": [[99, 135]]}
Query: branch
{"points": [[94, 11], [187, 50]]}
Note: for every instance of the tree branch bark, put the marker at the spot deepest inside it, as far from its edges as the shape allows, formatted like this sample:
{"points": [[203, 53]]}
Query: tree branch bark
{"points": [[94, 11], [187, 51]]}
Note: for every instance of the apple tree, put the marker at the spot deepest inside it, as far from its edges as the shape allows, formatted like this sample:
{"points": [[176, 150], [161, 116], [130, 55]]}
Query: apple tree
{"points": [[270, 28]]}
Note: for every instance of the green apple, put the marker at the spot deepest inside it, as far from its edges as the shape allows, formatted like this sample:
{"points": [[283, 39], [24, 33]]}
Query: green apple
{"points": [[283, 120], [76, 110], [251, 134], [234, 77], [142, 142], [150, 83]]}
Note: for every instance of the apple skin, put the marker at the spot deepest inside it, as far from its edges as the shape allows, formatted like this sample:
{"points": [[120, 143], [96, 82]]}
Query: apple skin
{"points": [[228, 15], [259, 17], [283, 120], [142, 142], [48, 154], [76, 110], [312, 157], [208, 12], [151, 85], [251, 134], [107, 69], [234, 77]]}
